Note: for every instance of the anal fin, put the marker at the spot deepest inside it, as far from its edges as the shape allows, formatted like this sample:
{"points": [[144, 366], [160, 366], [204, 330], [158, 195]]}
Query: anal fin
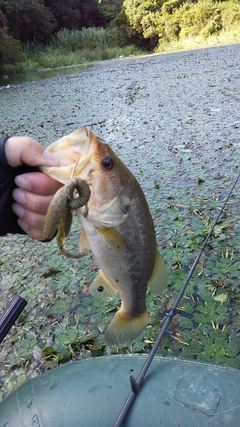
{"points": [[160, 278]]}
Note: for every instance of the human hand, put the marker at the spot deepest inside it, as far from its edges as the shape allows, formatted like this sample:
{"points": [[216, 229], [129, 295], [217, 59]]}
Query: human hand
{"points": [[35, 190]]}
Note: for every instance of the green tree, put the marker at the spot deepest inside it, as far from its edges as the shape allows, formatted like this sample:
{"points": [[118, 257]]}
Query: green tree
{"points": [[90, 13], [143, 15], [75, 14], [120, 33], [28, 20], [109, 9], [192, 19], [177, 19], [66, 13], [10, 49]]}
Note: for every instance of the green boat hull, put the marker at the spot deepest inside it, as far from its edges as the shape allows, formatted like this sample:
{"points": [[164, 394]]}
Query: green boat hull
{"points": [[91, 393]]}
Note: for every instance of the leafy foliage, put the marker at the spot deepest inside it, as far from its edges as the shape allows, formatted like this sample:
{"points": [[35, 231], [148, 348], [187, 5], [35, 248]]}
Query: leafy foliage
{"points": [[66, 14], [143, 15], [29, 20], [109, 9], [178, 19], [10, 49], [121, 33]]}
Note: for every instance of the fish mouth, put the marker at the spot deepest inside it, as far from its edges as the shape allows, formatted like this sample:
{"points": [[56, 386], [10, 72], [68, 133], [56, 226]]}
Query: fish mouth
{"points": [[74, 153]]}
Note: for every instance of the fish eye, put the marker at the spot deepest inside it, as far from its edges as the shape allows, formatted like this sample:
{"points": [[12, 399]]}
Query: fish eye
{"points": [[108, 162], [100, 288]]}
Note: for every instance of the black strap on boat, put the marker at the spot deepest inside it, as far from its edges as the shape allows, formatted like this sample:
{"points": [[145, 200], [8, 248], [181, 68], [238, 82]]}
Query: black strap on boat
{"points": [[170, 315]]}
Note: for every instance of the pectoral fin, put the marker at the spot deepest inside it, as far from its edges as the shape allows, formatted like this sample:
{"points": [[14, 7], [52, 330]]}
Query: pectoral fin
{"points": [[83, 242], [113, 238], [159, 279], [102, 288]]}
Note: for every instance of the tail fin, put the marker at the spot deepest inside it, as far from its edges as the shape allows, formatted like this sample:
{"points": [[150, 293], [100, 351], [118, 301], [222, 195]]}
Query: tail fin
{"points": [[123, 329]]}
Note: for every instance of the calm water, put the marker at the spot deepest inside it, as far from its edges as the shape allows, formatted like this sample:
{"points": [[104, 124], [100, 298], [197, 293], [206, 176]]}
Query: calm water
{"points": [[40, 75]]}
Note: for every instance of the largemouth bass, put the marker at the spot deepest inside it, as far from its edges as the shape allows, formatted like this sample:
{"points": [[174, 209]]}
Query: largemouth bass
{"points": [[118, 228]]}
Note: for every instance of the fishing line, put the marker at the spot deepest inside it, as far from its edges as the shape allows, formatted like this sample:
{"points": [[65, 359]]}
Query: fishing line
{"points": [[170, 315]]}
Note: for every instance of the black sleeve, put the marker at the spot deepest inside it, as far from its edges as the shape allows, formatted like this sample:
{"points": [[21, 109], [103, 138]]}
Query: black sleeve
{"points": [[8, 219]]}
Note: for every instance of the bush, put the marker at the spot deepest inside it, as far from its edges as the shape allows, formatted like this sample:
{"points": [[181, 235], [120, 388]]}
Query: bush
{"points": [[120, 33], [24, 67], [10, 50], [69, 39], [231, 15], [180, 20], [170, 6], [53, 57], [87, 38], [93, 38], [214, 24]]}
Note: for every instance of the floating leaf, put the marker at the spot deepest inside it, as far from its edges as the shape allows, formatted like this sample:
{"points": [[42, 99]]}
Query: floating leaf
{"points": [[221, 298]]}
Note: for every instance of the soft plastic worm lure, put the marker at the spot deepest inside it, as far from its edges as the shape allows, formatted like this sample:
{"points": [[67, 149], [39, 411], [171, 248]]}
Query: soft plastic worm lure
{"points": [[59, 214]]}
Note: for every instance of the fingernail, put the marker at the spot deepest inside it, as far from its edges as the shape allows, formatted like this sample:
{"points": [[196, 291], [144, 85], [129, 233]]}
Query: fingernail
{"points": [[23, 182], [18, 210], [19, 195], [50, 159]]}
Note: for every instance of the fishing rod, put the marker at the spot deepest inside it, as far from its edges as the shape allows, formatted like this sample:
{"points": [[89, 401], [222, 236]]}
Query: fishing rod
{"points": [[135, 383], [10, 314]]}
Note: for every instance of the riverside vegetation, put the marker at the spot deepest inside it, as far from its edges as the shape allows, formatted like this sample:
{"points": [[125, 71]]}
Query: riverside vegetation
{"points": [[109, 29]]}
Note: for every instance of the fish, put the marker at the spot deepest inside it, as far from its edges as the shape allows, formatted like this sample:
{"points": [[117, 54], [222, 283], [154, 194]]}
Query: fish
{"points": [[118, 228]]}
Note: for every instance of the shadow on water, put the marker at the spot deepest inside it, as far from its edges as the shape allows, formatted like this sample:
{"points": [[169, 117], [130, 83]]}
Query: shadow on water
{"points": [[40, 75]]}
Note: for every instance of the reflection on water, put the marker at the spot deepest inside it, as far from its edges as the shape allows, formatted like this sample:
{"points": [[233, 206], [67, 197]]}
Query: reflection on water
{"points": [[23, 78]]}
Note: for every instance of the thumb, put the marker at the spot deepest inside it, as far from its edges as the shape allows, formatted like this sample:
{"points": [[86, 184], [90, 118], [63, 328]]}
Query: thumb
{"points": [[24, 149]]}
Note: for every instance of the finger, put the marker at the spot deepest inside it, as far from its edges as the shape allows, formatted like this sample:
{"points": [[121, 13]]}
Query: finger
{"points": [[24, 149], [31, 231], [37, 204], [37, 183], [30, 222], [33, 219]]}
